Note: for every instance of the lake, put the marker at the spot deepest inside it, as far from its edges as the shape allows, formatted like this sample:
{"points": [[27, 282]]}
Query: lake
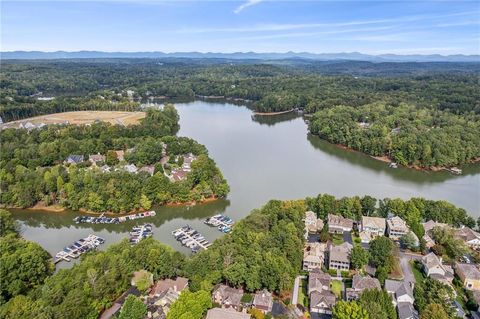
{"points": [[264, 158]]}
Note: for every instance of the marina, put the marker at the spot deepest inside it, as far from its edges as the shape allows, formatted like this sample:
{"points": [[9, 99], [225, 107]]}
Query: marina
{"points": [[140, 232], [78, 248], [221, 222], [102, 219], [191, 238]]}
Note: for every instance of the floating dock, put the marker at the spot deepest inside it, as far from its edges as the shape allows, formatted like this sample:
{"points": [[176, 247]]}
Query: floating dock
{"points": [[222, 222], [112, 220], [191, 238], [78, 248], [140, 232]]}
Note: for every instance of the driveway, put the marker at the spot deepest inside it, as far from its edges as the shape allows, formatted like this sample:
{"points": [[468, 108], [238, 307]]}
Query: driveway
{"points": [[347, 237], [406, 267]]}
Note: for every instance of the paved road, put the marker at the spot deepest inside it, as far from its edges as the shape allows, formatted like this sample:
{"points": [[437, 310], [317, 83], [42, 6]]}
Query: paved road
{"points": [[405, 259], [347, 237], [295, 289]]}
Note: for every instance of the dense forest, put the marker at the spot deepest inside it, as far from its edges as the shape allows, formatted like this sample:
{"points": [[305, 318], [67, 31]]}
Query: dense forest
{"points": [[264, 250], [419, 114], [32, 168]]}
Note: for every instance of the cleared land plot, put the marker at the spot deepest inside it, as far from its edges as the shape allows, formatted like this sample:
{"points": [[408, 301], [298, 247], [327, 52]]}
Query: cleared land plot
{"points": [[83, 117]]}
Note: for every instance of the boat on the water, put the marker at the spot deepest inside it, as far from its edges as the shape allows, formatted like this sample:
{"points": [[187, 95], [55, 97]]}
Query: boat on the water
{"points": [[78, 248], [222, 222], [140, 232], [102, 219], [191, 238]]}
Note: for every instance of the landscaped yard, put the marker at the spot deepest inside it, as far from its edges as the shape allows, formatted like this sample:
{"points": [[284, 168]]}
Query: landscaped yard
{"points": [[302, 293], [336, 286], [337, 239], [417, 273]]}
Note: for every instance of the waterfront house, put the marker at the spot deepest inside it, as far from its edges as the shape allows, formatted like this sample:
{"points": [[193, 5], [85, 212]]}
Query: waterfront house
{"points": [[228, 297], [187, 161], [374, 225], [314, 255], [95, 158], [221, 313], [263, 301], [396, 227], [359, 284], [428, 227], [74, 159], [162, 286], [339, 256], [312, 224], [432, 267], [469, 275], [469, 236], [338, 224], [177, 175]]}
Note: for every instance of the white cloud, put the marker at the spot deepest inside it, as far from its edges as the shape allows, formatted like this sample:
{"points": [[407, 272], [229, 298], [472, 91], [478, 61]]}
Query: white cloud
{"points": [[245, 5]]}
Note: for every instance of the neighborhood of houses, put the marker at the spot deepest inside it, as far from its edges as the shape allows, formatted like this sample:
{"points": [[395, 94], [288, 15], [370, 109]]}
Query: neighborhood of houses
{"points": [[331, 279], [175, 174]]}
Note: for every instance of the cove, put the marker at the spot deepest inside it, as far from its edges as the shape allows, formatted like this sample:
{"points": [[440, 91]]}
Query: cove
{"points": [[263, 158]]}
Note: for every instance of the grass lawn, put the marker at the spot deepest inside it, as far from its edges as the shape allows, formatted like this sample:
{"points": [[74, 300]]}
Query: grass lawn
{"points": [[302, 293], [396, 272], [336, 287], [337, 239], [417, 273], [356, 240]]}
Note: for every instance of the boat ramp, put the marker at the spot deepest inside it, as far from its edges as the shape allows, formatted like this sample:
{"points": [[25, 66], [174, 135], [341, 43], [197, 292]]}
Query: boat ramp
{"points": [[78, 248], [222, 222], [191, 238], [102, 219], [140, 232]]}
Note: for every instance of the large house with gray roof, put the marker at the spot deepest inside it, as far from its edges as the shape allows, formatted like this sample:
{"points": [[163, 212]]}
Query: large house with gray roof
{"points": [[339, 256]]}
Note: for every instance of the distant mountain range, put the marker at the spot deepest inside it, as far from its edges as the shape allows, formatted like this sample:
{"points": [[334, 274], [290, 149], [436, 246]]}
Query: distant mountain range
{"points": [[352, 56]]}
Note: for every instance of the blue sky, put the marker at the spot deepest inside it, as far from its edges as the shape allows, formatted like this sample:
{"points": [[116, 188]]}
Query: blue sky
{"points": [[374, 27]]}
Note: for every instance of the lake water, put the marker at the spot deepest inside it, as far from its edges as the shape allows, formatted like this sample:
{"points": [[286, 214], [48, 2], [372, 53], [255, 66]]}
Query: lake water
{"points": [[264, 158]]}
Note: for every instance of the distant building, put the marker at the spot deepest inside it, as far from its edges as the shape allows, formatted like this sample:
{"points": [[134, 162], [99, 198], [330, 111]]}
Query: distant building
{"points": [[339, 256], [162, 286], [312, 224], [314, 255], [95, 158], [428, 227], [228, 297], [131, 168], [469, 275], [359, 284], [120, 155], [396, 227], [74, 159], [339, 224], [150, 169], [263, 301]]}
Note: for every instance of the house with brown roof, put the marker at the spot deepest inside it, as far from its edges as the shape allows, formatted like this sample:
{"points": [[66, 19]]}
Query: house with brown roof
{"points": [[469, 275], [322, 299], [149, 169], [95, 158], [263, 301], [359, 284], [339, 256], [314, 255], [162, 286], [396, 227], [228, 297], [469, 236], [433, 267], [312, 224], [374, 225], [338, 224], [120, 155]]}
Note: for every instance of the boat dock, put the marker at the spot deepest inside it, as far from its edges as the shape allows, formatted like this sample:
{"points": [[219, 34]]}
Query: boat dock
{"points": [[191, 238], [78, 248], [140, 232], [222, 222], [112, 220]]}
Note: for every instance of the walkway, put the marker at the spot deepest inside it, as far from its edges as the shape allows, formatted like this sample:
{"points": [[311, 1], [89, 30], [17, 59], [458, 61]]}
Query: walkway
{"points": [[295, 289]]}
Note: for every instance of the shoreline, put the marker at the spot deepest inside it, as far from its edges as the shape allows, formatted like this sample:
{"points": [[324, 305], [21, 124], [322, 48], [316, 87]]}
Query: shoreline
{"points": [[273, 113], [387, 160], [40, 207]]}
